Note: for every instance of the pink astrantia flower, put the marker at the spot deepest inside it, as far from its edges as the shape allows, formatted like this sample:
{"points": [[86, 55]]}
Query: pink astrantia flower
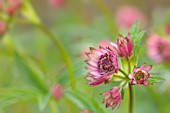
{"points": [[85, 111], [158, 47], [140, 75], [113, 97], [127, 15], [102, 62], [57, 91], [2, 27], [12, 6], [56, 3], [124, 46]]}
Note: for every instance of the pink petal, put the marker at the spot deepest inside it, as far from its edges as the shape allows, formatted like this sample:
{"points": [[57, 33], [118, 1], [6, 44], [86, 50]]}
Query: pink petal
{"points": [[131, 76], [146, 83], [134, 69], [148, 68], [142, 66]]}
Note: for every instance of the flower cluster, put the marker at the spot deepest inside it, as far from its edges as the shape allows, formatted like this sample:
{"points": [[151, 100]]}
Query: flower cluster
{"points": [[103, 65]]}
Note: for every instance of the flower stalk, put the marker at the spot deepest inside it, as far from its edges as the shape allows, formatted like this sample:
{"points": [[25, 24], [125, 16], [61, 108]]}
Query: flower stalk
{"points": [[130, 99], [63, 51], [130, 90]]}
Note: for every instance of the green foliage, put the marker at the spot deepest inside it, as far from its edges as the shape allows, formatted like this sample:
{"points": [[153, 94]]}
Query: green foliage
{"points": [[12, 96], [155, 79], [28, 12], [136, 40], [27, 68], [83, 101]]}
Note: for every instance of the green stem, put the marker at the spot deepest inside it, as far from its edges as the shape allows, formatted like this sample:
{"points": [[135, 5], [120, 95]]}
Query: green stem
{"points": [[119, 76], [63, 51], [129, 65], [123, 73], [54, 107], [130, 90], [130, 99]]}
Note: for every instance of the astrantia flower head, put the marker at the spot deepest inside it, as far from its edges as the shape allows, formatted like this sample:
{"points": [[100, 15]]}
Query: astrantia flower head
{"points": [[158, 48], [124, 46], [102, 63], [57, 91], [140, 75], [113, 97]]}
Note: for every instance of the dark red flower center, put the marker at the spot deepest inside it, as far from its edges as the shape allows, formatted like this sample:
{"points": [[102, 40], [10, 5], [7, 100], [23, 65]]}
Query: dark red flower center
{"points": [[106, 65], [139, 75]]}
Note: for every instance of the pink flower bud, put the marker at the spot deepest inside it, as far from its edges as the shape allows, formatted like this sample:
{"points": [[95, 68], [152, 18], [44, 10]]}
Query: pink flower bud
{"points": [[124, 46], [12, 6], [113, 97], [140, 75], [57, 91]]}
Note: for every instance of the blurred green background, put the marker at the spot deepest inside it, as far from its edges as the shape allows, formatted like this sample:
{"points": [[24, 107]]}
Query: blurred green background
{"points": [[30, 62]]}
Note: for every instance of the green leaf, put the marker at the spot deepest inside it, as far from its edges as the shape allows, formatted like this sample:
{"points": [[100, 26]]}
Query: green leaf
{"points": [[134, 30], [43, 101], [155, 79], [28, 12], [136, 37], [15, 95], [83, 102], [27, 68]]}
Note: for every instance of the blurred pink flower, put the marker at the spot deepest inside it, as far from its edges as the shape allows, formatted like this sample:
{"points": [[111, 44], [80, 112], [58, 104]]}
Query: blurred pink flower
{"points": [[167, 28], [102, 63], [2, 27], [140, 75], [12, 6], [56, 3], [124, 46], [113, 97], [85, 111], [158, 48], [57, 91], [127, 15]]}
